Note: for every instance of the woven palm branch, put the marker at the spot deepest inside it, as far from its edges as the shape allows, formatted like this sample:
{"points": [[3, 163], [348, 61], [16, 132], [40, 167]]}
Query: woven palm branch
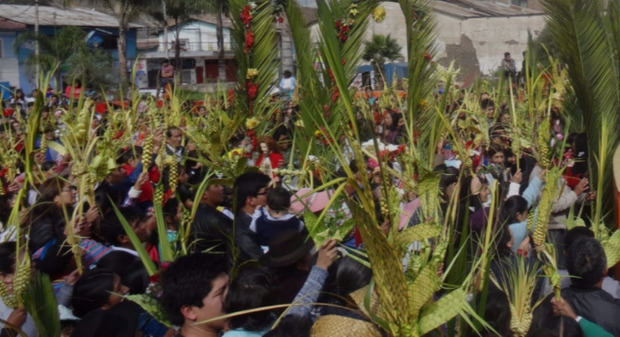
{"points": [[518, 280]]}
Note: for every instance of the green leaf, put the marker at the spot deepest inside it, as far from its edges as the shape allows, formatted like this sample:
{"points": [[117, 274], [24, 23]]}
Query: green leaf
{"points": [[149, 265], [443, 310], [151, 305], [41, 304], [162, 231]]}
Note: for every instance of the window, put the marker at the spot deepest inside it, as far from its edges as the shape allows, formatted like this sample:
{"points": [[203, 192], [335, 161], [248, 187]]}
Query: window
{"points": [[1, 48]]}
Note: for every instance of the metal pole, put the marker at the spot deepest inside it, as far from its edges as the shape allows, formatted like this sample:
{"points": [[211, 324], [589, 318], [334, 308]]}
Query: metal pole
{"points": [[163, 4], [36, 41]]}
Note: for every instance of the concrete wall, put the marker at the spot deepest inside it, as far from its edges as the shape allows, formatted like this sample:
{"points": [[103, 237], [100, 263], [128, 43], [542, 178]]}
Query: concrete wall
{"points": [[483, 41], [476, 44], [9, 66]]}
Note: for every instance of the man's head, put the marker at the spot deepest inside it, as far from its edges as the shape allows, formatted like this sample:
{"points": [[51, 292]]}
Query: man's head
{"points": [[287, 74], [251, 190], [214, 195], [194, 289], [507, 55], [586, 262], [143, 226], [174, 136]]}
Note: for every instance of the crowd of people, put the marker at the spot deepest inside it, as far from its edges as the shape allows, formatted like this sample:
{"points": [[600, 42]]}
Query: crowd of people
{"points": [[250, 248]]}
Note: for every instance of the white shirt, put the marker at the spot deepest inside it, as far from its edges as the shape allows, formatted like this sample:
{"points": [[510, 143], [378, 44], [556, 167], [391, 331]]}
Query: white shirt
{"points": [[28, 327]]}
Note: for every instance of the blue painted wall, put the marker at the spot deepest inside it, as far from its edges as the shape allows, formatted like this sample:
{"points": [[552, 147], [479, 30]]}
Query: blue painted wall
{"points": [[8, 39]]}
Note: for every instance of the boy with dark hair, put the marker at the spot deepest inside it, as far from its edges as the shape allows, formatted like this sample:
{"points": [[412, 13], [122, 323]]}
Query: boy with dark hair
{"points": [[275, 218], [194, 289]]}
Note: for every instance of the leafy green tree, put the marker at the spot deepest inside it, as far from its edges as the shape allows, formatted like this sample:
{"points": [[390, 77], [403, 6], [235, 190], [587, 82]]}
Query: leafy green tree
{"points": [[378, 50], [67, 52]]}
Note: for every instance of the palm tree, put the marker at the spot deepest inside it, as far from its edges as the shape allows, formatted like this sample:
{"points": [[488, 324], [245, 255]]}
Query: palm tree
{"points": [[221, 8], [379, 49], [124, 11], [180, 10], [586, 35]]}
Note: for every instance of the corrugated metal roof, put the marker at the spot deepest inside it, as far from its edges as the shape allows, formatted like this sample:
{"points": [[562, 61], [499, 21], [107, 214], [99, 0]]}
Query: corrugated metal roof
{"points": [[11, 25], [54, 16]]}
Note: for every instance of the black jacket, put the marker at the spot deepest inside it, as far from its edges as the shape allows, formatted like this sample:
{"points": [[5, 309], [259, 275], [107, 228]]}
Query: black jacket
{"points": [[212, 229], [595, 305]]}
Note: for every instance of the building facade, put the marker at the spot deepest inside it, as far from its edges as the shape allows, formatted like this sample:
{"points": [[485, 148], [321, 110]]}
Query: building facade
{"points": [[18, 19]]}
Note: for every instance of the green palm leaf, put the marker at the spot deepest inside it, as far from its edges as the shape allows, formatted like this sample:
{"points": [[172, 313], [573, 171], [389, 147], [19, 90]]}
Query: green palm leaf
{"points": [[587, 41]]}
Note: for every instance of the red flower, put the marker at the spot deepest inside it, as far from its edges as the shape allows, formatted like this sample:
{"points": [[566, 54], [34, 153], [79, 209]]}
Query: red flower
{"points": [[249, 41], [246, 15], [428, 56], [330, 73], [231, 96], [160, 103], [252, 90], [335, 94], [118, 134], [343, 61], [280, 19]]}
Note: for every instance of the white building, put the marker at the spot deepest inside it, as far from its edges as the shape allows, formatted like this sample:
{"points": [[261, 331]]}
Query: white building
{"points": [[198, 46]]}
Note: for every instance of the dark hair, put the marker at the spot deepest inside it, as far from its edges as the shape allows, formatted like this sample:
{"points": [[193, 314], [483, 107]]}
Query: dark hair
{"points": [[111, 228], [125, 155], [172, 128], [586, 261], [287, 73], [48, 190], [92, 291], [187, 281], [292, 325], [493, 149], [129, 268], [248, 185], [281, 131], [575, 234], [486, 103], [252, 288], [510, 208], [345, 276], [449, 176], [7, 257], [47, 165], [278, 199]]}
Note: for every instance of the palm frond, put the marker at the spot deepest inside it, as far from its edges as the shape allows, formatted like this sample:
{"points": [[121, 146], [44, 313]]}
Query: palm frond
{"points": [[587, 41]]}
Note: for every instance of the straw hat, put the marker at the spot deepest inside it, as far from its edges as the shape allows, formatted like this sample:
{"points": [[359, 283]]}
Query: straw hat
{"points": [[342, 326], [335, 325]]}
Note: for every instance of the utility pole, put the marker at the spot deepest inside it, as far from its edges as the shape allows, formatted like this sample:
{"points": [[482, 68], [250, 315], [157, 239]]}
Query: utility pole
{"points": [[163, 5], [36, 41]]}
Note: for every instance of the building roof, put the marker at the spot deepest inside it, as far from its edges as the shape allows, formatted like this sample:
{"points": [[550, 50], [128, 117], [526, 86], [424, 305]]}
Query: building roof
{"points": [[55, 16], [10, 25], [204, 17], [476, 8]]}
